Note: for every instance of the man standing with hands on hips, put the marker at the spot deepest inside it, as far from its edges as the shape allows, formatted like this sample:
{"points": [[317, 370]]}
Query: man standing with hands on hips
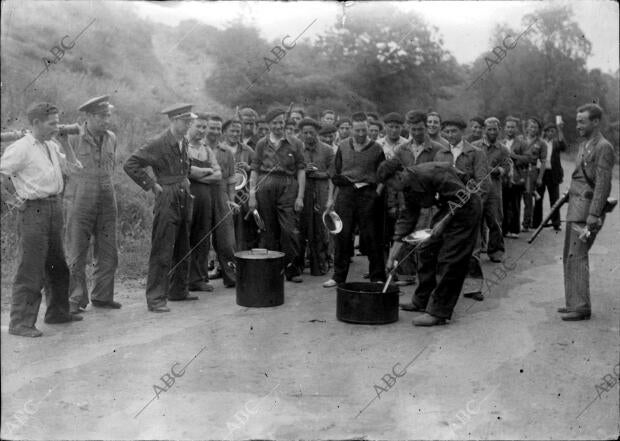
{"points": [[167, 156], [589, 189]]}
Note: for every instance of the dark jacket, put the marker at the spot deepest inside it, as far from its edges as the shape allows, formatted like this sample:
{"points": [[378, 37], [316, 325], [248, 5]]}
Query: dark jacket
{"points": [[557, 173], [471, 161]]}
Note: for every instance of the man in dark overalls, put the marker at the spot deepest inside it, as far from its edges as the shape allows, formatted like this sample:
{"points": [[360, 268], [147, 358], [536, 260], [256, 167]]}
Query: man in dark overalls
{"points": [[314, 235], [166, 154], [277, 186], [443, 258], [92, 209]]}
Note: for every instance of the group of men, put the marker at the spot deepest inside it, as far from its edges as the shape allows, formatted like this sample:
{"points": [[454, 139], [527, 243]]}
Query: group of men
{"points": [[384, 178]]}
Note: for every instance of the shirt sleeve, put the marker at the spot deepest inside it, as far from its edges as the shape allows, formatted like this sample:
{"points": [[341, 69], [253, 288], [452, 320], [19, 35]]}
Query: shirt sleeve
{"points": [[604, 164], [212, 158], [258, 156], [136, 164], [230, 167], [300, 161], [13, 159]]}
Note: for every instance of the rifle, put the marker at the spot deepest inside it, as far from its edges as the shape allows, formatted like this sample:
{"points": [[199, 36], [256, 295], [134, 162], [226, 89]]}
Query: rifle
{"points": [[558, 204]]}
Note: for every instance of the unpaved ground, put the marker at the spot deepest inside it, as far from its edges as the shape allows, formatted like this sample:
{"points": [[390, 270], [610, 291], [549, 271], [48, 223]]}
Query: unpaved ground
{"points": [[507, 367]]}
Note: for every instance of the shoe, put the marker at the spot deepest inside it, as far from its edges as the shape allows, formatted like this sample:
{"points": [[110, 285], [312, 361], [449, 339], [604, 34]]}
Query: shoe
{"points": [[201, 286], [109, 305], [512, 235], [474, 295], [25, 332], [295, 279], [405, 282], [366, 276], [495, 258], [563, 310], [181, 299], [428, 320], [483, 250], [75, 309], [576, 316], [162, 308], [64, 319], [410, 307], [330, 283], [557, 228], [215, 274], [525, 230], [230, 285]]}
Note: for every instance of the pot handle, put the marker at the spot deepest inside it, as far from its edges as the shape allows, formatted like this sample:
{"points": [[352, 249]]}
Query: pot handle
{"points": [[232, 265], [259, 251]]}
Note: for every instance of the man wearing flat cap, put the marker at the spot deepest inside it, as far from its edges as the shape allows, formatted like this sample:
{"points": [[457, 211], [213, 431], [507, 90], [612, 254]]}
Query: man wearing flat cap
{"points": [[92, 209], [392, 140], [327, 133], [318, 157], [277, 186], [166, 154], [472, 162]]}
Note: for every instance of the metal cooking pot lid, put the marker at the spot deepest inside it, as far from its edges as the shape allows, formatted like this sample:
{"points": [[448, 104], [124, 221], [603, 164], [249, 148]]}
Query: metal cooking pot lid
{"points": [[332, 222], [259, 254]]}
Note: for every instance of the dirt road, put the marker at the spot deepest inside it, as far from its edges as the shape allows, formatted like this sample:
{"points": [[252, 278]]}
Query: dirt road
{"points": [[507, 367]]}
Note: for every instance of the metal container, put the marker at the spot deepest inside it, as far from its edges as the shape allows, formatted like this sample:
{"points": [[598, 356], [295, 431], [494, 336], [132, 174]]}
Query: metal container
{"points": [[260, 278], [364, 303]]}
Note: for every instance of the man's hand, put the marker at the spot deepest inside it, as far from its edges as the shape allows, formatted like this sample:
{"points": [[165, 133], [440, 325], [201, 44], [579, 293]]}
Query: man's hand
{"points": [[594, 223], [157, 190], [393, 212], [539, 182], [252, 202], [233, 206], [389, 264], [299, 204], [330, 205], [243, 165]]}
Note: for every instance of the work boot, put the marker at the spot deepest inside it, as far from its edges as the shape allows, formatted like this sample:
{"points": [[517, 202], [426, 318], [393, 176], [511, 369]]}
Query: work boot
{"points": [[75, 308], [295, 279], [478, 296], [496, 257], [428, 320], [215, 274], [111, 304], [563, 310], [201, 286], [182, 299], [161, 308], [64, 319], [576, 316], [410, 307], [24, 331]]}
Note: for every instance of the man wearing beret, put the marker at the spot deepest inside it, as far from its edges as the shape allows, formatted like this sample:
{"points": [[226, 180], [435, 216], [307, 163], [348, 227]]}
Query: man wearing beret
{"points": [[589, 189], [318, 157], [92, 209], [392, 140], [471, 161], [442, 258], [277, 186], [327, 134], [166, 154], [354, 172]]}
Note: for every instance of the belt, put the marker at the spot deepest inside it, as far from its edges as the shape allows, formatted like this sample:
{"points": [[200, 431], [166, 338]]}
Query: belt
{"points": [[169, 180]]}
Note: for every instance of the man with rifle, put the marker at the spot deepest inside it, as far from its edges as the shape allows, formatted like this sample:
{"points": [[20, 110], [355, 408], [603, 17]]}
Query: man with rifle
{"points": [[587, 205]]}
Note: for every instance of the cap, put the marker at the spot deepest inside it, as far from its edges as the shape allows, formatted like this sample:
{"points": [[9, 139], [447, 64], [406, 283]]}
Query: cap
{"points": [[327, 129], [393, 117], [376, 122], [342, 121], [359, 117], [95, 105], [454, 121], [550, 126], [229, 122], [274, 113], [248, 112], [179, 111], [309, 122], [478, 119]]}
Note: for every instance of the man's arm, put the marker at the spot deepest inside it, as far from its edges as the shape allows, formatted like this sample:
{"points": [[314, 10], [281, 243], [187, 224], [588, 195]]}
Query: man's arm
{"points": [[136, 164], [542, 156], [604, 164]]}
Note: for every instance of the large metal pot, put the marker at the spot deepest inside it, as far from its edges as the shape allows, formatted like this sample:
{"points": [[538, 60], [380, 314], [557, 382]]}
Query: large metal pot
{"points": [[260, 277], [363, 302]]}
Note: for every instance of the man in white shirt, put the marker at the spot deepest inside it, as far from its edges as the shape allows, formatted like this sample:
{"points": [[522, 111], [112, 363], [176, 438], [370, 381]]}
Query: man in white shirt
{"points": [[35, 165], [392, 140], [553, 137]]}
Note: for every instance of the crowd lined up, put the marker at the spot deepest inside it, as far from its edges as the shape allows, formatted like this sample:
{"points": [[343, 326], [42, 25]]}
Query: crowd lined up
{"points": [[226, 185]]}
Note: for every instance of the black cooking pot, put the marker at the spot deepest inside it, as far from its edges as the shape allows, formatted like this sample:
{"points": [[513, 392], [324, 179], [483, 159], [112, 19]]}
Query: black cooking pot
{"points": [[260, 277], [363, 302]]}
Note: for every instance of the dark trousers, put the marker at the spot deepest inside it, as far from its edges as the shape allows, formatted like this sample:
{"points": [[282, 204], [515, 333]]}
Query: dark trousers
{"points": [[313, 233], [443, 261], [246, 231], [511, 200], [169, 246], [554, 194], [492, 217], [528, 198], [275, 197], [91, 212], [358, 206], [223, 237], [202, 224], [41, 264]]}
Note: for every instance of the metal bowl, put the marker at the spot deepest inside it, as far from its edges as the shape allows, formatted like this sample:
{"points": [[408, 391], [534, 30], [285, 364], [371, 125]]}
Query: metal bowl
{"points": [[241, 178], [418, 236], [332, 222]]}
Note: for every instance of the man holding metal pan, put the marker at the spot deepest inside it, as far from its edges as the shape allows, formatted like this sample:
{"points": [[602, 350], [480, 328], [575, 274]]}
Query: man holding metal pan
{"points": [[444, 256]]}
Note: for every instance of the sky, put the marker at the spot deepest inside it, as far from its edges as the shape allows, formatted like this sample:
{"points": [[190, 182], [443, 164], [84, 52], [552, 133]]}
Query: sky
{"points": [[465, 26]]}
